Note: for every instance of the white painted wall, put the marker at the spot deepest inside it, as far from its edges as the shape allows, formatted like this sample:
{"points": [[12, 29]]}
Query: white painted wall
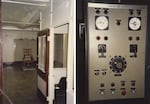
{"points": [[51, 68], [58, 74], [71, 57], [9, 37], [21, 44], [45, 17], [61, 12]]}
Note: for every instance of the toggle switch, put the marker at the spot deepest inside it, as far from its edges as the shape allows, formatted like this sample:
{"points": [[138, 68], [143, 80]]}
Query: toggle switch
{"points": [[133, 49], [131, 11], [104, 73], [102, 91], [102, 50], [138, 12], [118, 22], [105, 11], [112, 91], [133, 91], [96, 72], [97, 11]]}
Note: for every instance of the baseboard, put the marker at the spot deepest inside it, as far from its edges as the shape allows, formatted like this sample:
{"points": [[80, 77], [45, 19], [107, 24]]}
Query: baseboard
{"points": [[15, 63]]}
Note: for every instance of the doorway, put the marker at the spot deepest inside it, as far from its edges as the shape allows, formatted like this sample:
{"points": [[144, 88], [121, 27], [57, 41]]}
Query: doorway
{"points": [[20, 27], [43, 64], [20, 77], [60, 63]]}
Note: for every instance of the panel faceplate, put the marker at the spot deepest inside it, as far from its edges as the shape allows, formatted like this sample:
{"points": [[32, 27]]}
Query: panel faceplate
{"points": [[116, 51]]}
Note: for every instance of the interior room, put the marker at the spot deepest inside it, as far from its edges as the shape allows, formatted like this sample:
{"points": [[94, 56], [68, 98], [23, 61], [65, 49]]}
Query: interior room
{"points": [[37, 52]]}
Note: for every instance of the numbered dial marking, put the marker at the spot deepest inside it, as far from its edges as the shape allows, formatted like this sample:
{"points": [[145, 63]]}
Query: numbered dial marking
{"points": [[101, 22], [135, 23]]}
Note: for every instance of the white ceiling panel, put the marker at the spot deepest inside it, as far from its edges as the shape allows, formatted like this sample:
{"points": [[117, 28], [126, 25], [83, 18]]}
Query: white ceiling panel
{"points": [[22, 13], [15, 12]]}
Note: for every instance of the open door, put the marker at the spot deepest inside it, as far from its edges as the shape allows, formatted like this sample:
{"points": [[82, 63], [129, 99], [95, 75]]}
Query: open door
{"points": [[43, 64], [60, 63]]}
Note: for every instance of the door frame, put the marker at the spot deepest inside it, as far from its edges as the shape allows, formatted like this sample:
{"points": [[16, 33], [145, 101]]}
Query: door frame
{"points": [[43, 75]]}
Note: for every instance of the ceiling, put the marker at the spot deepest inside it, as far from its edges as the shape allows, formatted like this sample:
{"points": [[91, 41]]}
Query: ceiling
{"points": [[22, 14]]}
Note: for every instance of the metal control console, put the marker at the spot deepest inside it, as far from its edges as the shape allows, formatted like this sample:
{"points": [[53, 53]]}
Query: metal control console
{"points": [[116, 51]]}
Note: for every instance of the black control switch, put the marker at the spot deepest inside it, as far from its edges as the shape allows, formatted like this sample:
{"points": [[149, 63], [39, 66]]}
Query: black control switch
{"points": [[97, 11], [105, 11], [133, 49], [102, 50], [131, 11], [118, 22], [96, 72], [138, 12]]}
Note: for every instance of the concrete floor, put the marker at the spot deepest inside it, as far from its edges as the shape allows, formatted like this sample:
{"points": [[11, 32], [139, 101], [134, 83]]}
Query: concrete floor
{"points": [[20, 85]]}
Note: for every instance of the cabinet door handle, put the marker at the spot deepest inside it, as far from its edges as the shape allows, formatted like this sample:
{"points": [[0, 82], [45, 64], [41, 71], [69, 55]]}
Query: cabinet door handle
{"points": [[81, 29]]}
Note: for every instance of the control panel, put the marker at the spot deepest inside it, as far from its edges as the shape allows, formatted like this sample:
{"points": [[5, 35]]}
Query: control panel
{"points": [[116, 51]]}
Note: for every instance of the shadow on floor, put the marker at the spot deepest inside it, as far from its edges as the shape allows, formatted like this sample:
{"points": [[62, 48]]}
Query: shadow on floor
{"points": [[20, 85]]}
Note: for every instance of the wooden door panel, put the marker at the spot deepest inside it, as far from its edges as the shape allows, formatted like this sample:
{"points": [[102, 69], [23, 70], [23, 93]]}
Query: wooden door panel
{"points": [[43, 58]]}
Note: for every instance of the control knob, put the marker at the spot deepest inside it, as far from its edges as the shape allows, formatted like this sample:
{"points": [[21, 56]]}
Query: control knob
{"points": [[118, 64]]}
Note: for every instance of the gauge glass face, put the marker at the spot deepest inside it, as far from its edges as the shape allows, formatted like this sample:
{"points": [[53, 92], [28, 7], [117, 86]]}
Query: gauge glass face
{"points": [[134, 23], [101, 22]]}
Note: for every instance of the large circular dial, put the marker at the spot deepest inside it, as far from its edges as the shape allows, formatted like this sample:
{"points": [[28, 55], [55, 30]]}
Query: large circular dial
{"points": [[135, 23], [101, 22], [118, 64]]}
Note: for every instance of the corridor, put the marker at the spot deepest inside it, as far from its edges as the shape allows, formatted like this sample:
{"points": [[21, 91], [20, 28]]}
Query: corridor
{"points": [[20, 84]]}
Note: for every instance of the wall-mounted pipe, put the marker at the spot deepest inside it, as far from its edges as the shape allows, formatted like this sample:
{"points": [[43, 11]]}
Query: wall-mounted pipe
{"points": [[20, 23], [17, 29], [24, 3]]}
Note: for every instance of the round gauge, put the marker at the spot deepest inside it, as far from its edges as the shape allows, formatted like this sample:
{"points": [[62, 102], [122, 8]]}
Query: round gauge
{"points": [[101, 22], [135, 23]]}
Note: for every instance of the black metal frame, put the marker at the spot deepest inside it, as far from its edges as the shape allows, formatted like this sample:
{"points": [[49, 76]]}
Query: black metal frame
{"points": [[82, 52]]}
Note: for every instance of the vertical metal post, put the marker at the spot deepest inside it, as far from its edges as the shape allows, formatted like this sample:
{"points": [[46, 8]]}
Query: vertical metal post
{"points": [[1, 55]]}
